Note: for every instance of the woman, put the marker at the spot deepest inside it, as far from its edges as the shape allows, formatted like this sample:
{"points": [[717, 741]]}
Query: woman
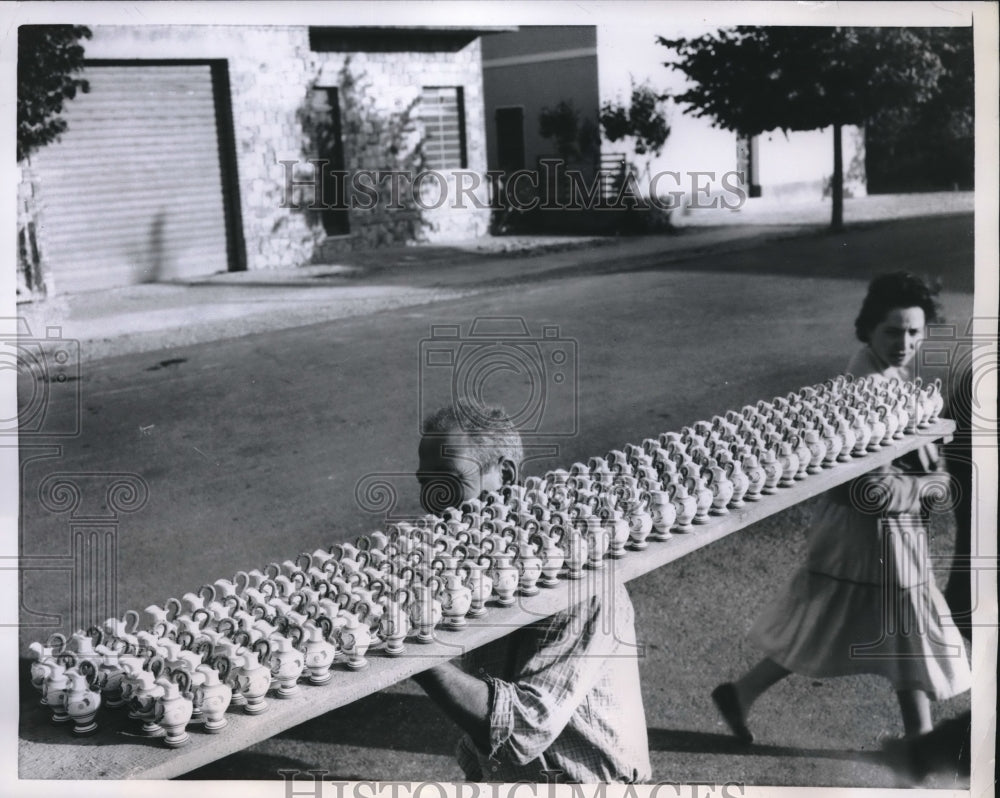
{"points": [[866, 601]]}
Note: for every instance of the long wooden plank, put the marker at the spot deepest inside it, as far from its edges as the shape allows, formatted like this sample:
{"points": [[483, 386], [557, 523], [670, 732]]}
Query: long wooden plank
{"points": [[120, 751]]}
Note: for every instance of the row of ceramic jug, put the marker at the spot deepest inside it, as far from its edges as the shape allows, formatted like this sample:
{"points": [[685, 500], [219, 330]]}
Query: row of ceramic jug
{"points": [[232, 642]]}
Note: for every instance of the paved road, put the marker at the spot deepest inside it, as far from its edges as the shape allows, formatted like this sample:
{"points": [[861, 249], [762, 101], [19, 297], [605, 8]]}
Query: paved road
{"points": [[253, 449]]}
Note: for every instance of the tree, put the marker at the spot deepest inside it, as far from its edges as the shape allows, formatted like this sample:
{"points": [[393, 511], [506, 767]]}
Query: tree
{"points": [[573, 139], [48, 60], [931, 147], [755, 79], [643, 122]]}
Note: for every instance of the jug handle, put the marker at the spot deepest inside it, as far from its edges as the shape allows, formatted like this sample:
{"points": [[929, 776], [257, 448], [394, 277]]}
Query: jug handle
{"points": [[222, 664], [325, 624], [133, 616], [173, 608], [96, 635], [183, 681], [262, 648], [88, 671], [209, 597], [308, 561], [241, 580], [155, 664]]}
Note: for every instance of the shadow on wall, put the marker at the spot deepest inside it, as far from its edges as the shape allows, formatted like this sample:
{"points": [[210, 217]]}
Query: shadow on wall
{"points": [[345, 131], [158, 266]]}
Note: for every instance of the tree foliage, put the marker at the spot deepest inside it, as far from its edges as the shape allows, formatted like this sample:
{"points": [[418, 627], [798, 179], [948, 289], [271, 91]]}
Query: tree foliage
{"points": [[643, 120], [932, 146], [48, 58], [574, 139], [754, 79]]}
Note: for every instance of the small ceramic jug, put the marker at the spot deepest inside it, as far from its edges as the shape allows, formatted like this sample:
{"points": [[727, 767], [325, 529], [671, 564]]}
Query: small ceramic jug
{"points": [[803, 454], [663, 514], [552, 556], [286, 663], [887, 415], [739, 480], [145, 692], [54, 693], [214, 697], [395, 624], [505, 578], [44, 659], [721, 487], [847, 435], [425, 609], [529, 568], [616, 525], [576, 546], [355, 639], [456, 600], [789, 464], [319, 654], [173, 710], [480, 585], [834, 444], [253, 679], [904, 418], [702, 495], [640, 521], [598, 541], [772, 471], [756, 477], [685, 506], [82, 702]]}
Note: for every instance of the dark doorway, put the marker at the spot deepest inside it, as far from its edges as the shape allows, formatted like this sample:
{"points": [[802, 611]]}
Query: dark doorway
{"points": [[329, 145], [510, 139]]}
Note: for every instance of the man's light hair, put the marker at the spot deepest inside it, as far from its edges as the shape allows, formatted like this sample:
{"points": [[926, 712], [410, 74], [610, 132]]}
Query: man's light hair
{"points": [[489, 430]]}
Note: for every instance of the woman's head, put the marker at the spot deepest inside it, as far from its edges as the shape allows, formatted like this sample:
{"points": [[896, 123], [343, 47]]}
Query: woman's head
{"points": [[892, 319]]}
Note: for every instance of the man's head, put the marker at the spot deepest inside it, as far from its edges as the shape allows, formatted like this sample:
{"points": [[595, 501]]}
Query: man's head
{"points": [[464, 451]]}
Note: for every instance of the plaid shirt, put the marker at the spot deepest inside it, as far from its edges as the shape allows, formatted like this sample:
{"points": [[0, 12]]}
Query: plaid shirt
{"points": [[564, 698]]}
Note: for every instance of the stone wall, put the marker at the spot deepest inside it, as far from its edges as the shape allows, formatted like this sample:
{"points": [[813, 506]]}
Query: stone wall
{"points": [[271, 70]]}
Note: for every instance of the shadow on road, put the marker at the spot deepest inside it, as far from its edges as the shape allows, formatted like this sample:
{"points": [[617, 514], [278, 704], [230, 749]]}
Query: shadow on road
{"points": [[685, 741], [856, 253]]}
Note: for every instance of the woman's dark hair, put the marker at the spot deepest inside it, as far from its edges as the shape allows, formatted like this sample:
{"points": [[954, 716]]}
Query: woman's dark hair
{"points": [[896, 290]]}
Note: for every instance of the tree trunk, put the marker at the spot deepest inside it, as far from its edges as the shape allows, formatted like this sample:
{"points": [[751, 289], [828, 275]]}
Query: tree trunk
{"points": [[33, 279], [837, 217]]}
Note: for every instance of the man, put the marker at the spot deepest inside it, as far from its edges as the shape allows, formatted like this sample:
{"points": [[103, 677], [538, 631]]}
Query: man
{"points": [[558, 699]]}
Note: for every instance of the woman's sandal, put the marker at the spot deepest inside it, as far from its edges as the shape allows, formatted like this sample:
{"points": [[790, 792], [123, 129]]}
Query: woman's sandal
{"points": [[728, 703]]}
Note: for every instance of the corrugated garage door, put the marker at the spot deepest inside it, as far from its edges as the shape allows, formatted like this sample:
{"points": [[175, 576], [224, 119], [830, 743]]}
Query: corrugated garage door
{"points": [[133, 191]]}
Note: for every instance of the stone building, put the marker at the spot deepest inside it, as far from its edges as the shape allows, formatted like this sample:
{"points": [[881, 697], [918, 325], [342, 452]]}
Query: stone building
{"points": [[202, 149]]}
